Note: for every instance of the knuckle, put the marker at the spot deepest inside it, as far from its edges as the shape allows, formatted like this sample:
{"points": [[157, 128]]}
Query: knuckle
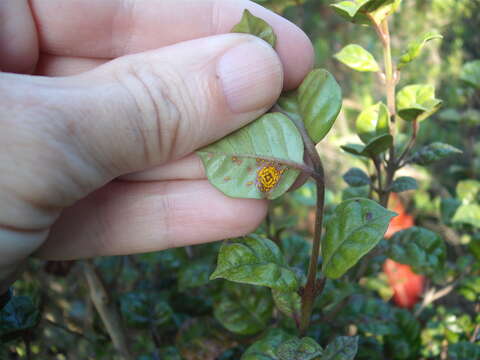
{"points": [[164, 105]]}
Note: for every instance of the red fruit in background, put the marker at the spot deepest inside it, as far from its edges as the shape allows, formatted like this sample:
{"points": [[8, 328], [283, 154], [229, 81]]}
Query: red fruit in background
{"points": [[406, 285], [402, 220]]}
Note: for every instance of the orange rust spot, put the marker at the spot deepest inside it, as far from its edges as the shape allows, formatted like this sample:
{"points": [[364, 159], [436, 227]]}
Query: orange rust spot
{"points": [[250, 183], [249, 169], [268, 177], [227, 178]]}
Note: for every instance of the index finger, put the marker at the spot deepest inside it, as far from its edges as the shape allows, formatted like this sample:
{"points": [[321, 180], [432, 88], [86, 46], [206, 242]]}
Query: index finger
{"points": [[112, 28]]}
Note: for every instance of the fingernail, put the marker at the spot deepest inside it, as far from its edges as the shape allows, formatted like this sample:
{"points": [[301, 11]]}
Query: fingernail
{"points": [[251, 75]]}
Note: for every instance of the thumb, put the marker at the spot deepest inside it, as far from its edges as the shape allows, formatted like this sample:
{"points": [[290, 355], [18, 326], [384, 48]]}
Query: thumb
{"points": [[145, 109]]}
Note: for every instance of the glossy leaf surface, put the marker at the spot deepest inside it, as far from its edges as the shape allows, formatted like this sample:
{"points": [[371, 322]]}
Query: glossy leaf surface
{"points": [[256, 161], [299, 349], [420, 248], [244, 309], [254, 260], [468, 214], [342, 348], [434, 152], [404, 183], [355, 227], [288, 302], [265, 348], [372, 122], [356, 177], [417, 102], [415, 48], [357, 58], [320, 101]]}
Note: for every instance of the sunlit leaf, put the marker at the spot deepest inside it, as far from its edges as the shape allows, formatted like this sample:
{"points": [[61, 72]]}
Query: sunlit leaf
{"points": [[355, 227], [434, 152], [372, 122], [256, 161], [404, 183], [468, 190], [342, 348], [471, 73], [417, 102], [420, 248], [356, 10], [357, 58], [415, 48], [250, 24], [320, 101], [244, 309], [468, 214], [254, 260]]}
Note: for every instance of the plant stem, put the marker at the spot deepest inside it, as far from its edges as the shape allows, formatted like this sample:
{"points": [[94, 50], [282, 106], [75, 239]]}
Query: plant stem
{"points": [[410, 145], [312, 287], [106, 309]]}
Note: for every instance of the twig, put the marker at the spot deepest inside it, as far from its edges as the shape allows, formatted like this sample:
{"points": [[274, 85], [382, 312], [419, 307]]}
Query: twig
{"points": [[411, 143], [70, 331], [476, 331], [106, 309], [432, 295], [312, 288]]}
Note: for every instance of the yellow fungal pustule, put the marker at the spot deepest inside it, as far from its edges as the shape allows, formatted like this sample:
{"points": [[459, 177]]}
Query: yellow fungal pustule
{"points": [[268, 177]]}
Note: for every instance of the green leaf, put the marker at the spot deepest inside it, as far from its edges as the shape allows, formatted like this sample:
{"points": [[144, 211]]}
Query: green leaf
{"points": [[356, 10], [372, 122], [404, 183], [254, 260], [256, 161], [405, 340], [374, 147], [288, 101], [288, 302], [141, 309], [264, 349], [434, 152], [468, 191], [471, 73], [448, 207], [194, 274], [417, 102], [356, 177], [463, 350], [378, 145], [342, 348], [415, 48], [354, 149], [355, 227], [253, 25], [470, 288], [244, 309], [420, 248], [468, 214], [357, 58], [299, 349], [320, 101], [355, 192], [18, 315]]}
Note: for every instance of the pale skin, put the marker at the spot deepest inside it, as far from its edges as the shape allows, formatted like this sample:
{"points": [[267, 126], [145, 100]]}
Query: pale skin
{"points": [[102, 105]]}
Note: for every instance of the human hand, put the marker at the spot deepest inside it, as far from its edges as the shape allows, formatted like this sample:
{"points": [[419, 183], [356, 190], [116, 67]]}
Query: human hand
{"points": [[127, 87]]}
